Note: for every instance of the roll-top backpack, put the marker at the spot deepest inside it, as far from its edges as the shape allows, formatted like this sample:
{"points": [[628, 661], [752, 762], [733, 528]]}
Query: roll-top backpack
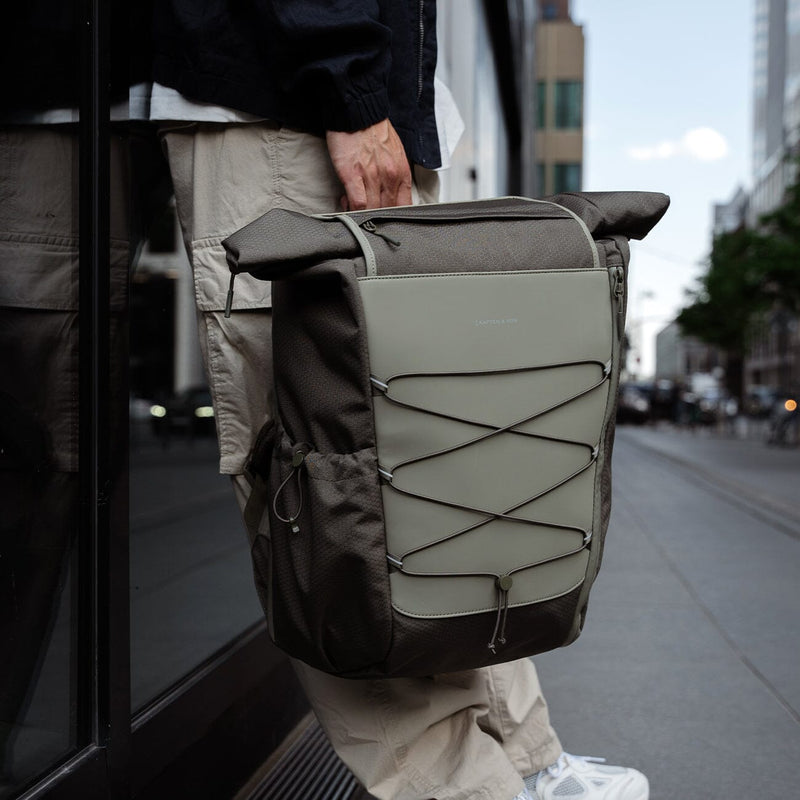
{"points": [[434, 490]]}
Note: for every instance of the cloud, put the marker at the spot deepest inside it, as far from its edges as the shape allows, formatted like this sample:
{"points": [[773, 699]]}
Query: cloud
{"points": [[702, 144], [657, 152], [705, 144]]}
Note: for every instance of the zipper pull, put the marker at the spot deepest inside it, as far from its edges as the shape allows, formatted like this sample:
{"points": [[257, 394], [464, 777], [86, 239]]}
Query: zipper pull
{"points": [[229, 300], [372, 228], [619, 287]]}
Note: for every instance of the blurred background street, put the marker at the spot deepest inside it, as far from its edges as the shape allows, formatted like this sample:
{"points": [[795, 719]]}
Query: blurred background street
{"points": [[688, 665]]}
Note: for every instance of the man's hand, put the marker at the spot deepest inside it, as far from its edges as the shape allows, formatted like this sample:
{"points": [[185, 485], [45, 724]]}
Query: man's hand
{"points": [[372, 166]]}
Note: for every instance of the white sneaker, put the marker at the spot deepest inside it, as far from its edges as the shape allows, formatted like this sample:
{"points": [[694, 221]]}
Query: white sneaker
{"points": [[580, 778]]}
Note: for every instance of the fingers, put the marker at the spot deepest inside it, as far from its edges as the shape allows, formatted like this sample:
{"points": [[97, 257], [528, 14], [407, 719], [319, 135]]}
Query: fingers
{"points": [[372, 166]]}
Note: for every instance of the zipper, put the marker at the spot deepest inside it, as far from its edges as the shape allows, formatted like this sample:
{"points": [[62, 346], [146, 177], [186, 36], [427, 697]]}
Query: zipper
{"points": [[421, 46], [415, 214], [619, 286], [618, 291], [365, 221], [370, 225]]}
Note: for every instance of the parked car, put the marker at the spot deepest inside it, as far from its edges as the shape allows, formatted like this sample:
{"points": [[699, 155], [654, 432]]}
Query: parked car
{"points": [[188, 413], [664, 400], [634, 404], [714, 405], [759, 401]]}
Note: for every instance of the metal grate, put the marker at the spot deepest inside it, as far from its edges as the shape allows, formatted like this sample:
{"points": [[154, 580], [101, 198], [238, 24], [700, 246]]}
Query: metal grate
{"points": [[309, 770]]}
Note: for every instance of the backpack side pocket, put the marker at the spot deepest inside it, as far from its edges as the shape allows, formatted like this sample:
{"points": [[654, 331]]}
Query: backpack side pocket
{"points": [[330, 585]]}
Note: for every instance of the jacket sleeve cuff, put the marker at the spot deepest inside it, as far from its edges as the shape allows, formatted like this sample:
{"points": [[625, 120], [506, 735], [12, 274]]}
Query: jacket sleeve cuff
{"points": [[358, 111]]}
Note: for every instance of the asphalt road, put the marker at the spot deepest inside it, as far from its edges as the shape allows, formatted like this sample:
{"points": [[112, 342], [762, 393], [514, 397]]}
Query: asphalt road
{"points": [[689, 665]]}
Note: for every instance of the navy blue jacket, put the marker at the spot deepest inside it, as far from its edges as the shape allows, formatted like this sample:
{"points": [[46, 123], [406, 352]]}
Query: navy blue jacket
{"points": [[40, 59], [314, 65]]}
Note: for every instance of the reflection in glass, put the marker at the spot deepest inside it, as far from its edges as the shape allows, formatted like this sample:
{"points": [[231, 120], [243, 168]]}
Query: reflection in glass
{"points": [[39, 436], [39, 480], [191, 585]]}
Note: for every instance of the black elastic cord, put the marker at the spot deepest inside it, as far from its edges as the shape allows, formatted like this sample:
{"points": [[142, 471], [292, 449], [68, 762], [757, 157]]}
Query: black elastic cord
{"points": [[498, 634], [297, 463]]}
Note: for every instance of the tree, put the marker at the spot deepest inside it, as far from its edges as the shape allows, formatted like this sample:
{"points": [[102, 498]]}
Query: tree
{"points": [[779, 248], [726, 299], [749, 273]]}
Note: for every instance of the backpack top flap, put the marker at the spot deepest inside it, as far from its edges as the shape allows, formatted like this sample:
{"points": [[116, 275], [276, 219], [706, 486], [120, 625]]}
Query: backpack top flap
{"points": [[280, 243]]}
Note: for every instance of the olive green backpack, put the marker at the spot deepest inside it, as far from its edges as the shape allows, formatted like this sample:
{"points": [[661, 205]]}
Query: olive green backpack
{"points": [[434, 490]]}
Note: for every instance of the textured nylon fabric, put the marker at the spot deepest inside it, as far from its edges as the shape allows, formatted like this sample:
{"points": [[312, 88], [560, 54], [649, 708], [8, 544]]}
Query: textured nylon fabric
{"points": [[292, 240], [282, 242], [325, 584], [631, 214], [430, 646], [336, 541], [321, 363], [483, 246]]}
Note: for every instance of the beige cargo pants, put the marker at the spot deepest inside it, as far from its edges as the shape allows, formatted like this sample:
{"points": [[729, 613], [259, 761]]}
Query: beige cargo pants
{"points": [[464, 736]]}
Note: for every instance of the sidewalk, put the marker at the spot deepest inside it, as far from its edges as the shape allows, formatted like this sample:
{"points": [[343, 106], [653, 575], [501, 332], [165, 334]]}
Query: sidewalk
{"points": [[740, 462], [689, 664]]}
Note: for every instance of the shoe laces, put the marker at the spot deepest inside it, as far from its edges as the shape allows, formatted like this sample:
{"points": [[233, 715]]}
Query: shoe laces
{"points": [[565, 759]]}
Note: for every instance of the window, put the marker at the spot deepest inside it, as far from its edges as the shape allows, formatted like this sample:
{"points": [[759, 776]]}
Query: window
{"points": [[541, 178], [567, 178], [549, 11], [541, 104], [569, 104]]}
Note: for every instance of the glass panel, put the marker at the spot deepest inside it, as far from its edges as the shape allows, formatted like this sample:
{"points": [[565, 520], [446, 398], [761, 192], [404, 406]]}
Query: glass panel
{"points": [[549, 11], [569, 104], [541, 104], [191, 581], [541, 178], [40, 684], [567, 178]]}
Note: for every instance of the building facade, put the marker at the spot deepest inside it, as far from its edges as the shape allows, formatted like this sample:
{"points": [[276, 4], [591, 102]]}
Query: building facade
{"points": [[776, 102], [559, 102], [774, 350], [678, 357], [730, 216]]}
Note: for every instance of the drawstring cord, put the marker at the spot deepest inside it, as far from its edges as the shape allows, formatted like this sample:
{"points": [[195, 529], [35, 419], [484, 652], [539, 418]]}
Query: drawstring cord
{"points": [[297, 462], [503, 584]]}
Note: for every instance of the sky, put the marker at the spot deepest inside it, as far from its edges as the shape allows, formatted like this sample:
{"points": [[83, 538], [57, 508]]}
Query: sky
{"points": [[668, 108]]}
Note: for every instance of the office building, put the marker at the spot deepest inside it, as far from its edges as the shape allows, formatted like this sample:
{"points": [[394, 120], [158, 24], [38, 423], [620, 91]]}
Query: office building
{"points": [[559, 58], [774, 350]]}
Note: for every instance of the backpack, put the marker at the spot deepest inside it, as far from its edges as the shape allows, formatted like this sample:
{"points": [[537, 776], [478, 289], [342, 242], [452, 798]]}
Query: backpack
{"points": [[434, 489]]}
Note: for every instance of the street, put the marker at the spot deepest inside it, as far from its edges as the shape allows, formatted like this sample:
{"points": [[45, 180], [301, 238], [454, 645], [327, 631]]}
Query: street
{"points": [[689, 664]]}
